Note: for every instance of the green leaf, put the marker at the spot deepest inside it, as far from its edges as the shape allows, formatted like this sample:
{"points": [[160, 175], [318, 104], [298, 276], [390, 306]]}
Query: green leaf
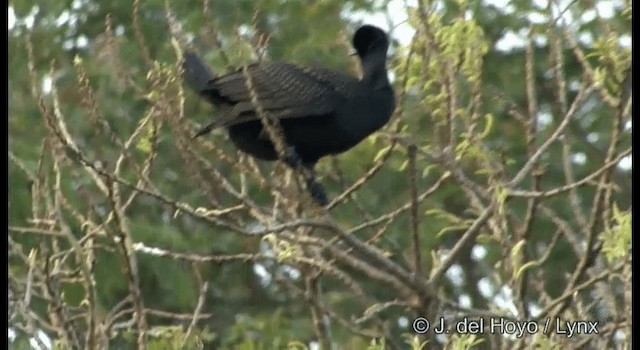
{"points": [[516, 256], [381, 153], [616, 241]]}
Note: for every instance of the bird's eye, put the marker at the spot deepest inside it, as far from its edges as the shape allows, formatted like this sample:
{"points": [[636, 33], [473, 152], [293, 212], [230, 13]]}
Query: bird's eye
{"points": [[373, 44]]}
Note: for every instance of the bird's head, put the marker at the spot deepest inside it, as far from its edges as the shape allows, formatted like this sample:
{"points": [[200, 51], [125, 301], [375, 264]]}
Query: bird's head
{"points": [[368, 40]]}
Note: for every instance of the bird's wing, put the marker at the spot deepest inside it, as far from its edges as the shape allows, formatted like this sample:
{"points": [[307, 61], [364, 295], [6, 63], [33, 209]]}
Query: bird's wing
{"points": [[283, 91]]}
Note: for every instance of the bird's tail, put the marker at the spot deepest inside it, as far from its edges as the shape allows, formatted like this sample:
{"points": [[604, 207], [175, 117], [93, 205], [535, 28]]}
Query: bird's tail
{"points": [[196, 74]]}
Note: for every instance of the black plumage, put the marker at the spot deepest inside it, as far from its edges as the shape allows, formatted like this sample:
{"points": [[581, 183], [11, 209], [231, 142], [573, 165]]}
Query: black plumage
{"points": [[321, 111]]}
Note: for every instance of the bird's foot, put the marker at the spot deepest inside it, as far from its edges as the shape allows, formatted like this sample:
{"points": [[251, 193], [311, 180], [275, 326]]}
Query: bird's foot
{"points": [[317, 192]]}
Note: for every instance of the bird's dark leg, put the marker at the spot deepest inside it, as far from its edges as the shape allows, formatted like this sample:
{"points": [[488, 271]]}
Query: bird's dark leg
{"points": [[317, 191], [291, 158]]}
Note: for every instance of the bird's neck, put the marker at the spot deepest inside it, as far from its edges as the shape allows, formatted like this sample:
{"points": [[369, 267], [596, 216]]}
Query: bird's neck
{"points": [[375, 74]]}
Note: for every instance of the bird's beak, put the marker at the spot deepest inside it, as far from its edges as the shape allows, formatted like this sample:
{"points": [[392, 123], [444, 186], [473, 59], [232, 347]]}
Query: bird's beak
{"points": [[353, 53]]}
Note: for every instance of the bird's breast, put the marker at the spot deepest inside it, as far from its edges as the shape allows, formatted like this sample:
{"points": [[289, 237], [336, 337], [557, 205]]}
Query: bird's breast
{"points": [[367, 114]]}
